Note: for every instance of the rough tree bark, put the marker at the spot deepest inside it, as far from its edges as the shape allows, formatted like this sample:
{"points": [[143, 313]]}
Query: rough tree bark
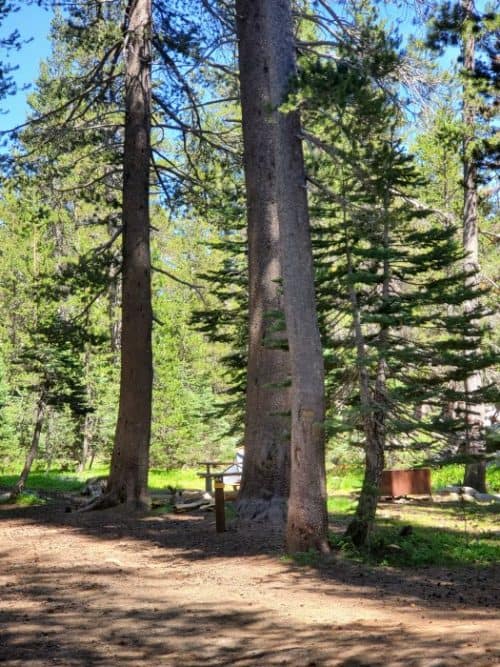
{"points": [[266, 471], [266, 30], [361, 526], [129, 465], [475, 473]]}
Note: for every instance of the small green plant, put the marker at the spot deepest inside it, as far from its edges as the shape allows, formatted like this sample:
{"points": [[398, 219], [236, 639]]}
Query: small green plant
{"points": [[309, 558], [339, 542], [230, 509], [25, 499], [163, 509]]}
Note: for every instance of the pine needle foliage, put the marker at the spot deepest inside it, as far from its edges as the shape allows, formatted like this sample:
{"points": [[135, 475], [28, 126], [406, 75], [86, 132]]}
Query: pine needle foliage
{"points": [[402, 265]]}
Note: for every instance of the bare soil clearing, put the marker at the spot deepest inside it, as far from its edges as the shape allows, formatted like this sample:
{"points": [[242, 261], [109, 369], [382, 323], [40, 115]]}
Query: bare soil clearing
{"points": [[105, 589]]}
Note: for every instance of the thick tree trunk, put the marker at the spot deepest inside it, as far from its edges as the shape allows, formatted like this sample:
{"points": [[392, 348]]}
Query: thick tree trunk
{"points": [[361, 526], [266, 471], [267, 63], [475, 474], [129, 465], [41, 410], [307, 525]]}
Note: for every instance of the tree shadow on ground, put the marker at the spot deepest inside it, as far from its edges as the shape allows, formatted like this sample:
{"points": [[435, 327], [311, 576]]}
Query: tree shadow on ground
{"points": [[455, 589], [63, 617]]}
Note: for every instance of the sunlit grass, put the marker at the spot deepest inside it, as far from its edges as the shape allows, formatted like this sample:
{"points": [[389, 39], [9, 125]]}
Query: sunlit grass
{"points": [[179, 479], [52, 481], [67, 482], [341, 505], [348, 480], [422, 547], [447, 534], [453, 516], [342, 481], [454, 474]]}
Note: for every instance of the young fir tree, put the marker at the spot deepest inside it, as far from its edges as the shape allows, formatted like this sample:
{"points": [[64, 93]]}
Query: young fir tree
{"points": [[437, 149], [475, 33], [54, 359], [64, 186], [387, 270]]}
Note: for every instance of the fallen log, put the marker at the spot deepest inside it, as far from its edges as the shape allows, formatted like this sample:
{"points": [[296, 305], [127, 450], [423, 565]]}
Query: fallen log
{"points": [[193, 505]]}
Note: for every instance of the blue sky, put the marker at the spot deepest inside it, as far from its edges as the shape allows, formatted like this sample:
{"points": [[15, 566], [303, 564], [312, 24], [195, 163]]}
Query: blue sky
{"points": [[33, 23]]}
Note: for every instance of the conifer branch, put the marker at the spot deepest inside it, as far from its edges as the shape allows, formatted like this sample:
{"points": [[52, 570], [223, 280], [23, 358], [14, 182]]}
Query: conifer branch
{"points": [[96, 296], [105, 246], [87, 185], [172, 276], [449, 218]]}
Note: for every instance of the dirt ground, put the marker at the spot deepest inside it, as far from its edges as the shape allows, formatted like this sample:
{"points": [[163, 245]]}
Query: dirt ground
{"points": [[105, 589]]}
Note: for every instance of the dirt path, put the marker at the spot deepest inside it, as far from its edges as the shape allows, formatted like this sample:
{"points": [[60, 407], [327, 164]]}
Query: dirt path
{"points": [[104, 589]]}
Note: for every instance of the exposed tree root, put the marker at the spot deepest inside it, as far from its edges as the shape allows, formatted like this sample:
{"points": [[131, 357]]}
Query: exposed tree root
{"points": [[9, 496], [303, 540], [268, 511], [107, 500], [358, 532], [114, 499]]}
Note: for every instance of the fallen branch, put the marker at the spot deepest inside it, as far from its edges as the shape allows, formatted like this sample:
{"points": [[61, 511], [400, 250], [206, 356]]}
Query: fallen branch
{"points": [[195, 504]]}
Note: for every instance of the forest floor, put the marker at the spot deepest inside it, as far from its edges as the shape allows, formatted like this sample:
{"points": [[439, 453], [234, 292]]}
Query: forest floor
{"points": [[107, 589]]}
